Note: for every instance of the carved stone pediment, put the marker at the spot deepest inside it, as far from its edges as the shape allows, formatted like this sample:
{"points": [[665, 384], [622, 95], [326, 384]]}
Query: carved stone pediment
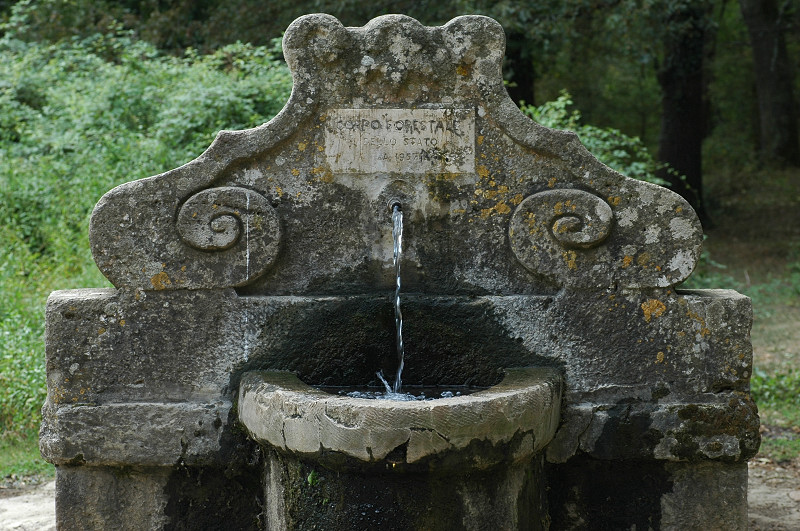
{"points": [[494, 202]]}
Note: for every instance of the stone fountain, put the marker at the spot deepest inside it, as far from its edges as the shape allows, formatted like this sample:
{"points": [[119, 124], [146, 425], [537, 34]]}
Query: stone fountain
{"points": [[183, 398]]}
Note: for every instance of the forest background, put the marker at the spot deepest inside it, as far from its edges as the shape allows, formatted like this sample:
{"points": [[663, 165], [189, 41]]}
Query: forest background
{"points": [[698, 95]]}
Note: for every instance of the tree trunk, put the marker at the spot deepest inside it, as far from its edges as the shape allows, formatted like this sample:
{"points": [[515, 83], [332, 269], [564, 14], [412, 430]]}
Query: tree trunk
{"points": [[520, 64], [776, 105], [683, 118]]}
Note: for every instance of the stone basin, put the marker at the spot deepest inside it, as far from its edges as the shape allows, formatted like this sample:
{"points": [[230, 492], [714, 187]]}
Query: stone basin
{"points": [[515, 419]]}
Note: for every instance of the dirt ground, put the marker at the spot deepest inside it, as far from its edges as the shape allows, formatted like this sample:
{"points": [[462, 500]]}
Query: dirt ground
{"points": [[30, 507], [773, 494]]}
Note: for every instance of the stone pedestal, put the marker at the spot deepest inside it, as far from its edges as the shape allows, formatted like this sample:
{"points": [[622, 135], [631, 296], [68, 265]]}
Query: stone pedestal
{"points": [[304, 495], [465, 462]]}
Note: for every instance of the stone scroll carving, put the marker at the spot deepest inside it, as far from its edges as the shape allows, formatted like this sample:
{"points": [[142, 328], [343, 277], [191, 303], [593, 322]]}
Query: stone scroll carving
{"points": [[577, 239], [574, 218], [219, 237], [218, 219]]}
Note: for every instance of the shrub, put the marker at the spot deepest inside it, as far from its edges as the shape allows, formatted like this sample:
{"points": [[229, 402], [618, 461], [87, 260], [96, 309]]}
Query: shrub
{"points": [[77, 118], [626, 154]]}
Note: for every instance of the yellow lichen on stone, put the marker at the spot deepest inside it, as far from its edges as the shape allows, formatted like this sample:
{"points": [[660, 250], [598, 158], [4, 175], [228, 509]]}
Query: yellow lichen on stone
{"points": [[517, 199], [58, 395], [552, 182], [660, 357], [295, 172], [480, 140], [614, 200], [324, 173], [627, 261], [160, 280], [653, 308], [302, 146], [643, 260], [704, 331], [483, 171], [530, 219], [563, 207], [491, 194], [570, 258], [499, 208], [258, 222], [502, 208]]}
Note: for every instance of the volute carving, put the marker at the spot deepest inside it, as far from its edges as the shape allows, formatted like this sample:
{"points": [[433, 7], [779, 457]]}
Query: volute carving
{"points": [[575, 238]]}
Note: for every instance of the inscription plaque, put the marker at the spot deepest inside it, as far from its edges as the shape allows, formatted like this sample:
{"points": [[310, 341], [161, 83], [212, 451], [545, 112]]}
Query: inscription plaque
{"points": [[400, 140]]}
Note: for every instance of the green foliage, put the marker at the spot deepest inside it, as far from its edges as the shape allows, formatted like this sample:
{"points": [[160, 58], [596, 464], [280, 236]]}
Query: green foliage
{"points": [[612, 147], [77, 118], [776, 390], [780, 449], [777, 290], [778, 399], [19, 456]]}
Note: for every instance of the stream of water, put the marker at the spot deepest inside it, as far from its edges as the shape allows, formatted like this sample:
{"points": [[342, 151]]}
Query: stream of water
{"points": [[394, 391], [397, 237]]}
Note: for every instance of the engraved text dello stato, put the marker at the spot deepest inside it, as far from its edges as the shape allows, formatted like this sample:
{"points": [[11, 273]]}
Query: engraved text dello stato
{"points": [[400, 140]]}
